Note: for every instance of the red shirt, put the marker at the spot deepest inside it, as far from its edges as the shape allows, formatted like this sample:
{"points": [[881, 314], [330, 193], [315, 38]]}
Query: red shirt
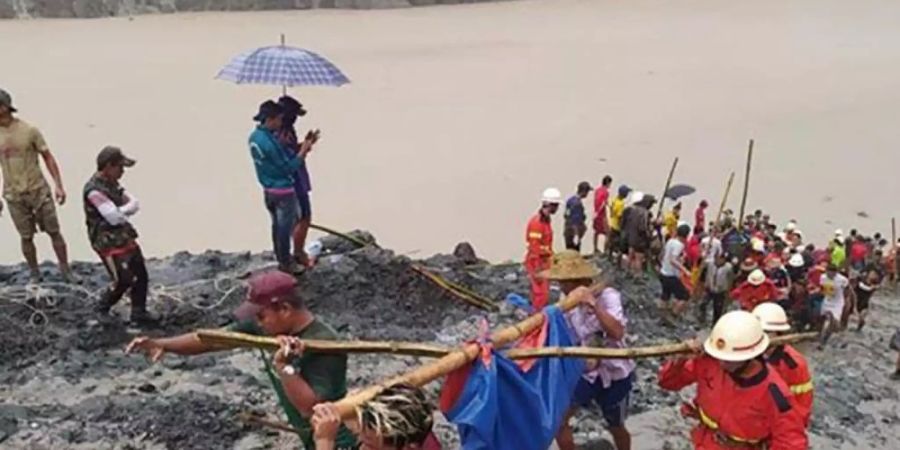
{"points": [[693, 251], [756, 409], [792, 367], [700, 218], [539, 238], [858, 252], [814, 280], [601, 196], [748, 295]]}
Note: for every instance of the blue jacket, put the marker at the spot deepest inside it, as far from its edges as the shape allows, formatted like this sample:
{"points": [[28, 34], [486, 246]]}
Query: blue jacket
{"points": [[275, 169]]}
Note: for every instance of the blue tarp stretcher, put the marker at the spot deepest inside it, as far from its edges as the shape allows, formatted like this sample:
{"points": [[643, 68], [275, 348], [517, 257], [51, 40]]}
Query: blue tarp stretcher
{"points": [[501, 404]]}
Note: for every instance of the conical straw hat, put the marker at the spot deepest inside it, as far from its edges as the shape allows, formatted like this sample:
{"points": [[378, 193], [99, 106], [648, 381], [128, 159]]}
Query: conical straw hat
{"points": [[570, 265]]}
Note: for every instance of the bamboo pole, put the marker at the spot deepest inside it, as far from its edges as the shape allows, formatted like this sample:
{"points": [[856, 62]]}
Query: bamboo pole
{"points": [[268, 423], [454, 360], [346, 236], [627, 353], [229, 340], [662, 199], [746, 184], [724, 200], [893, 232], [458, 291]]}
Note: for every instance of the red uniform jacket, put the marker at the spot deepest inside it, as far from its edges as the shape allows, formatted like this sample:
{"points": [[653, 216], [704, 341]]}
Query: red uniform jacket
{"points": [[792, 367], [748, 295], [738, 413], [539, 237]]}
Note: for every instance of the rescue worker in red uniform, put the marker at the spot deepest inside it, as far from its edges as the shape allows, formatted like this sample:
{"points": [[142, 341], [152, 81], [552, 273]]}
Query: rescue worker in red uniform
{"points": [[539, 238], [757, 289], [785, 359], [741, 402]]}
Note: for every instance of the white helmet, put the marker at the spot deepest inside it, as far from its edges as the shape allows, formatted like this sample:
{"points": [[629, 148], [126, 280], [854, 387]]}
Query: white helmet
{"points": [[757, 277], [772, 317], [791, 226], [839, 232], [636, 196], [552, 195], [757, 245], [796, 260], [737, 336]]}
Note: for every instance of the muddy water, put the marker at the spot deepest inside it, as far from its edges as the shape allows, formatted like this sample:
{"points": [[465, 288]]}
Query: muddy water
{"points": [[459, 116]]}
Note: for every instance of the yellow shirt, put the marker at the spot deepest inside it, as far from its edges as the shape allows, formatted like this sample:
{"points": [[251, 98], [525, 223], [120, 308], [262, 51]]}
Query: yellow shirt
{"points": [[615, 213], [20, 145], [670, 223]]}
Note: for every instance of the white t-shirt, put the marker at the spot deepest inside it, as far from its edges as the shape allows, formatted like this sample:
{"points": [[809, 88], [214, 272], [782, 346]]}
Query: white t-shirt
{"points": [[673, 253], [711, 251], [833, 289]]}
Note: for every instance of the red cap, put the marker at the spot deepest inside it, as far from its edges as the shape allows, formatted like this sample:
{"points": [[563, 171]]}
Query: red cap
{"points": [[266, 289]]}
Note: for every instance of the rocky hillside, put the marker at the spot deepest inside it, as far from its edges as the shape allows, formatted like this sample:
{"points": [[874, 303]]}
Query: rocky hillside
{"points": [[12, 9]]}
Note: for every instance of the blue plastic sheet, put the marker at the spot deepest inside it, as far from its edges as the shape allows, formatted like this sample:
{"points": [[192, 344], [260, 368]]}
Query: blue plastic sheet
{"points": [[503, 408]]}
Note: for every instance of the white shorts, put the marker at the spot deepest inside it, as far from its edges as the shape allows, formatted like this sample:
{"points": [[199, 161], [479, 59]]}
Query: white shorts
{"points": [[835, 308]]}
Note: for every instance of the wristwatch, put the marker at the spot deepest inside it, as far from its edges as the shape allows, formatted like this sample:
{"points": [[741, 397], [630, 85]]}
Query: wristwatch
{"points": [[289, 370]]}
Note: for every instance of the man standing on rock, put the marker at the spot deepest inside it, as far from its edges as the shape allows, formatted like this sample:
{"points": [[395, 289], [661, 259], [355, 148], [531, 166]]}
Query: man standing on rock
{"points": [[599, 321], [25, 189], [301, 380], [575, 226], [107, 208], [670, 275], [539, 239], [835, 287], [302, 185], [741, 403], [601, 218]]}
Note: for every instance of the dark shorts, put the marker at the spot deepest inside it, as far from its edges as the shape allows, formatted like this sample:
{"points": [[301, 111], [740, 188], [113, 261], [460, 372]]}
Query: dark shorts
{"points": [[673, 287], [862, 299], [305, 207], [613, 400]]}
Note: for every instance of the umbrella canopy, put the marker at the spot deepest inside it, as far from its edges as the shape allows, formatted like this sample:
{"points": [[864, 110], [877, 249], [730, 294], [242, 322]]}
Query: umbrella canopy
{"points": [[280, 65], [679, 190]]}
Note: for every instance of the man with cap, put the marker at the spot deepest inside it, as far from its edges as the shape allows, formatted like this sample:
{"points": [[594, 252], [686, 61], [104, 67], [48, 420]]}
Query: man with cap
{"points": [[598, 321], [601, 216], [614, 245], [785, 359], [275, 307], [539, 240], [275, 170], [757, 289], [26, 191], [575, 225], [637, 230], [107, 209], [741, 402]]}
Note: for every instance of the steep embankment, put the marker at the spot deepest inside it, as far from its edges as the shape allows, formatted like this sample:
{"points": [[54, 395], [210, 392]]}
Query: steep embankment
{"points": [[10, 9], [65, 382]]}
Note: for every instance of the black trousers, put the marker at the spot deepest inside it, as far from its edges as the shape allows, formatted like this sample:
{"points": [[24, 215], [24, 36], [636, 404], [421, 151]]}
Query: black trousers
{"points": [[128, 272], [718, 302]]}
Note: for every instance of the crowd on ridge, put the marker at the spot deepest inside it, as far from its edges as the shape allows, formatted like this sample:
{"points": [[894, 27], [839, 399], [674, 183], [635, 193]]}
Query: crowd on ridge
{"points": [[750, 394]]}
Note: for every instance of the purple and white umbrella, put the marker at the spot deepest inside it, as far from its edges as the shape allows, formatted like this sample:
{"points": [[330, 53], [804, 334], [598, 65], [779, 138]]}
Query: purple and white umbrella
{"points": [[280, 65]]}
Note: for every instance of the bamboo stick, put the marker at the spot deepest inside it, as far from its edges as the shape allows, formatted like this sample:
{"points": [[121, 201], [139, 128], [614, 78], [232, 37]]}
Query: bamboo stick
{"points": [[268, 423], [348, 237], [662, 199], [454, 360], [627, 353], [458, 291], [724, 200], [229, 340], [746, 184], [893, 232]]}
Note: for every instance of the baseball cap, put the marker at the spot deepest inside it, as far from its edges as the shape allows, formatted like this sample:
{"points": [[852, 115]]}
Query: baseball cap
{"points": [[268, 109], [6, 100], [113, 155], [266, 289]]}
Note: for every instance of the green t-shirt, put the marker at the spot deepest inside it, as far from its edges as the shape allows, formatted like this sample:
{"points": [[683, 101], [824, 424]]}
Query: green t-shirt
{"points": [[838, 256], [326, 375]]}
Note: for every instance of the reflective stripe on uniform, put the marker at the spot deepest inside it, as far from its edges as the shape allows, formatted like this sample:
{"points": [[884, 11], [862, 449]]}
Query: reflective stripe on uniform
{"points": [[535, 235], [804, 388], [712, 425]]}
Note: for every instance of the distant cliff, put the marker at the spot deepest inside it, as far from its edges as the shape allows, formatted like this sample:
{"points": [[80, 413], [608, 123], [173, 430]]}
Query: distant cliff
{"points": [[12, 9]]}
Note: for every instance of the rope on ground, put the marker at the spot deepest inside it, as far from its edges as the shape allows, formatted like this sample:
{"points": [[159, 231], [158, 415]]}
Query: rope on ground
{"points": [[461, 292]]}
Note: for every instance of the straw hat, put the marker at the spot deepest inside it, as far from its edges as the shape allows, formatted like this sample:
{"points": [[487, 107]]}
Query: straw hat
{"points": [[757, 277], [570, 265]]}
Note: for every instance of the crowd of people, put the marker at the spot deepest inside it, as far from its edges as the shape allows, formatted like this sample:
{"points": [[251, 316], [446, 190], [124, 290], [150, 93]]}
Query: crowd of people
{"points": [[750, 393]]}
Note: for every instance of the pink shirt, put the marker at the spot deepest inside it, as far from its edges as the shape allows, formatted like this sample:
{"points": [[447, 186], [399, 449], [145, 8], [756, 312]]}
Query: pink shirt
{"points": [[588, 329], [601, 196]]}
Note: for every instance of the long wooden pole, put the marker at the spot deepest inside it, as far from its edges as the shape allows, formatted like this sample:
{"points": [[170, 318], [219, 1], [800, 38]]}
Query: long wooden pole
{"points": [[746, 184], [228, 340], [893, 231], [662, 199], [452, 361], [724, 200]]}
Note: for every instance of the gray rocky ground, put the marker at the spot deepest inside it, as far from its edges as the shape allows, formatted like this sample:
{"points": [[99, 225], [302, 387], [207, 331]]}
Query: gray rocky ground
{"points": [[66, 384]]}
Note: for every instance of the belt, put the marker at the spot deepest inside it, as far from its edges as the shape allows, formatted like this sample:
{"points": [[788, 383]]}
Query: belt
{"points": [[728, 440]]}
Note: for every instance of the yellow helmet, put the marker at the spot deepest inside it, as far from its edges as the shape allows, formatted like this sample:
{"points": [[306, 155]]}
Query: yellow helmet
{"points": [[737, 336], [772, 317]]}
